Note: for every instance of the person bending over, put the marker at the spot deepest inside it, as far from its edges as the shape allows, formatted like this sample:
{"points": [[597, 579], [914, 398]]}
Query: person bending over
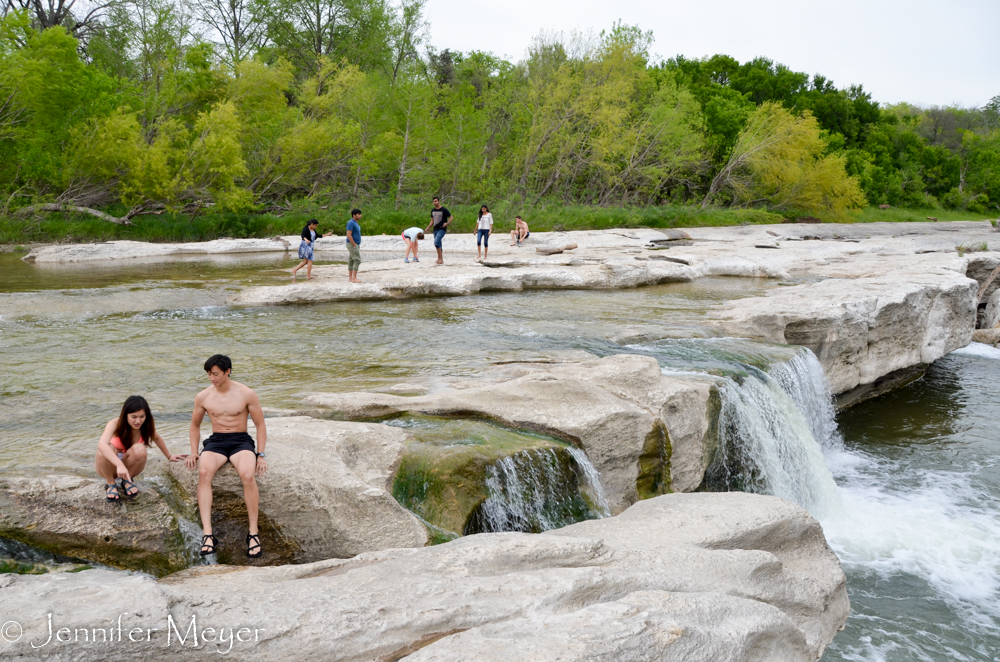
{"points": [[411, 236], [520, 231], [121, 450], [228, 404]]}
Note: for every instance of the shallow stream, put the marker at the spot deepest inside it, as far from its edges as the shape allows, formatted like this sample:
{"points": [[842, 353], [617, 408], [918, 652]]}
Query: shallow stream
{"points": [[907, 488]]}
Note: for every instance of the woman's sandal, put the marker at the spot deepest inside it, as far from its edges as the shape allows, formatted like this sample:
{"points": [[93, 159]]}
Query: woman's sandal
{"points": [[128, 485], [107, 493], [250, 539], [205, 543]]}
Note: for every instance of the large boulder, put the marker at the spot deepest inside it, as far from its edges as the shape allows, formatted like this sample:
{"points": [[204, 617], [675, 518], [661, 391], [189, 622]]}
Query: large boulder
{"points": [[864, 328], [70, 516], [327, 493], [635, 424], [679, 577]]}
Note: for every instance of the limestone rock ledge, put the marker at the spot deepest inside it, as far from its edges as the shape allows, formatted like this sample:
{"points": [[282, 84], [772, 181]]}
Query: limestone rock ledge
{"points": [[327, 493], [644, 432], [722, 577], [69, 516], [865, 328]]}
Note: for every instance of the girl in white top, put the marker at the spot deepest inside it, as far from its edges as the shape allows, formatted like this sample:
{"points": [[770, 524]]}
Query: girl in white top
{"points": [[411, 236], [484, 227]]}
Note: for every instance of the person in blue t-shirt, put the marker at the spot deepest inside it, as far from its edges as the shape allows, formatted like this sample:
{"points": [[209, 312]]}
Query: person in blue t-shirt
{"points": [[354, 246]]}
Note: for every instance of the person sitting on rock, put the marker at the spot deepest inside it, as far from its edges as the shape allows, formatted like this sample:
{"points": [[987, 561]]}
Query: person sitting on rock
{"points": [[228, 404], [520, 231], [121, 451]]}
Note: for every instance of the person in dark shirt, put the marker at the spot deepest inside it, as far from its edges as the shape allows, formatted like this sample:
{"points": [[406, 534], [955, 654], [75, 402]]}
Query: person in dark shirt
{"points": [[440, 218], [354, 246], [306, 247]]}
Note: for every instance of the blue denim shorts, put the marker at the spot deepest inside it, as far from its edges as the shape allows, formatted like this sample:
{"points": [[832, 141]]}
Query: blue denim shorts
{"points": [[438, 236]]}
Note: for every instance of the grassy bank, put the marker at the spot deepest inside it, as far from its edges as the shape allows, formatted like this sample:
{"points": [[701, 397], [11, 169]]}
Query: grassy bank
{"points": [[382, 217]]}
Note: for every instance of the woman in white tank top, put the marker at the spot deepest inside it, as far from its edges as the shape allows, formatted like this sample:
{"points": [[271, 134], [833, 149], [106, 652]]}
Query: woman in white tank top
{"points": [[484, 227]]}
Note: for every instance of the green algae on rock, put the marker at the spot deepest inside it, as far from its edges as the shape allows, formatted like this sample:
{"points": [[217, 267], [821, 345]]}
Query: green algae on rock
{"points": [[471, 476]]}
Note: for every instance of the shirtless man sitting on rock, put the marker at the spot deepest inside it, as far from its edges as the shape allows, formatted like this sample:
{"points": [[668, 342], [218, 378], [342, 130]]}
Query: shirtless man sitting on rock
{"points": [[228, 404]]}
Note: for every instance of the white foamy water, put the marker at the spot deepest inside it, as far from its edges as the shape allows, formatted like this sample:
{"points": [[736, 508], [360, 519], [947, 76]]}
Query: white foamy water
{"points": [[770, 435], [979, 349], [917, 534], [908, 496]]}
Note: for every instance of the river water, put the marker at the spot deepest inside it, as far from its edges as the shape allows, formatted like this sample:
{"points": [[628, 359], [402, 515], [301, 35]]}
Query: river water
{"points": [[906, 486]]}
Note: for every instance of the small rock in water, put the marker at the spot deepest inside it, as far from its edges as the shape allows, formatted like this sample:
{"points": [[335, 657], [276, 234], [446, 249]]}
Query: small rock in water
{"points": [[770, 245]]}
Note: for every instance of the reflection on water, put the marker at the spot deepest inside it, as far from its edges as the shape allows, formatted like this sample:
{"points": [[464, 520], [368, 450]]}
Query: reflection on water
{"points": [[921, 485], [72, 355]]}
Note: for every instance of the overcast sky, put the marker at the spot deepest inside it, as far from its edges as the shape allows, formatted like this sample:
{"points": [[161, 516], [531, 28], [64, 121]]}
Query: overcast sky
{"points": [[926, 52]]}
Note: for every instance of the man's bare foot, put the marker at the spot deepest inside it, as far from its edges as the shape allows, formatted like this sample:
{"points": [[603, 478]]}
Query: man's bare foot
{"points": [[439, 262], [311, 278]]}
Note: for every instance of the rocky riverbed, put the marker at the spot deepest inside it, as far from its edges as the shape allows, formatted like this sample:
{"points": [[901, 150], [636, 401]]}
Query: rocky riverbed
{"points": [[875, 304]]}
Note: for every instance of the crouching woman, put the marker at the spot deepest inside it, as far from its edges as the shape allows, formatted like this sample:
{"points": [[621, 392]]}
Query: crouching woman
{"points": [[121, 451]]}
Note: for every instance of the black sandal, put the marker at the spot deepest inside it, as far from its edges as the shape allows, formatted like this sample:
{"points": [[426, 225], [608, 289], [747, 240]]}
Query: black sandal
{"points": [[250, 539], [107, 493], [204, 544], [129, 485]]}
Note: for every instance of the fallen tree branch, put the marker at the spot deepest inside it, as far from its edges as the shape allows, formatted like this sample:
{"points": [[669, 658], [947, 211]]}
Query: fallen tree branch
{"points": [[62, 207]]}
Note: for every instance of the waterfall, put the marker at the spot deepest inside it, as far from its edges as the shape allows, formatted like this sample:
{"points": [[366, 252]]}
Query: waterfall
{"points": [[772, 426], [538, 490], [590, 483], [804, 381]]}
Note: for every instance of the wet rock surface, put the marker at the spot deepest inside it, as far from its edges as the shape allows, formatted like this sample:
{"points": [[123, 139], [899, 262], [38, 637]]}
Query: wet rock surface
{"points": [[678, 577], [644, 432], [70, 516]]}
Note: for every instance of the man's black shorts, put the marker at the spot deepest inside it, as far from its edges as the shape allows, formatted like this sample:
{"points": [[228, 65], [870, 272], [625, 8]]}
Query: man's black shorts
{"points": [[227, 443]]}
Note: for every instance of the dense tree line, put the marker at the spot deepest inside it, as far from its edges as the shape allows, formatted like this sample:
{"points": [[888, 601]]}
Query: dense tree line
{"points": [[247, 104]]}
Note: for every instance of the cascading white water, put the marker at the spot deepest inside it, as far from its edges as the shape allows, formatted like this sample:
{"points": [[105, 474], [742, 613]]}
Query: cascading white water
{"points": [[804, 381], [590, 483], [537, 490], [771, 425], [918, 544]]}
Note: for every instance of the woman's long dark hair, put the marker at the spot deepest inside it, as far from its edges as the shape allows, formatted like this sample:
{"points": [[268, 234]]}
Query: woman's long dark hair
{"points": [[481, 211], [148, 428]]}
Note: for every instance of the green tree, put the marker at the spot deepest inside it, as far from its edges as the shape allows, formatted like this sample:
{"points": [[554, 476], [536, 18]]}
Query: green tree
{"points": [[779, 159]]}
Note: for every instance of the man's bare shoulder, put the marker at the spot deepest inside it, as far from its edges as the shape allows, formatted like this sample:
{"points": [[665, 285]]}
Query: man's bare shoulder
{"points": [[247, 392], [204, 394]]}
